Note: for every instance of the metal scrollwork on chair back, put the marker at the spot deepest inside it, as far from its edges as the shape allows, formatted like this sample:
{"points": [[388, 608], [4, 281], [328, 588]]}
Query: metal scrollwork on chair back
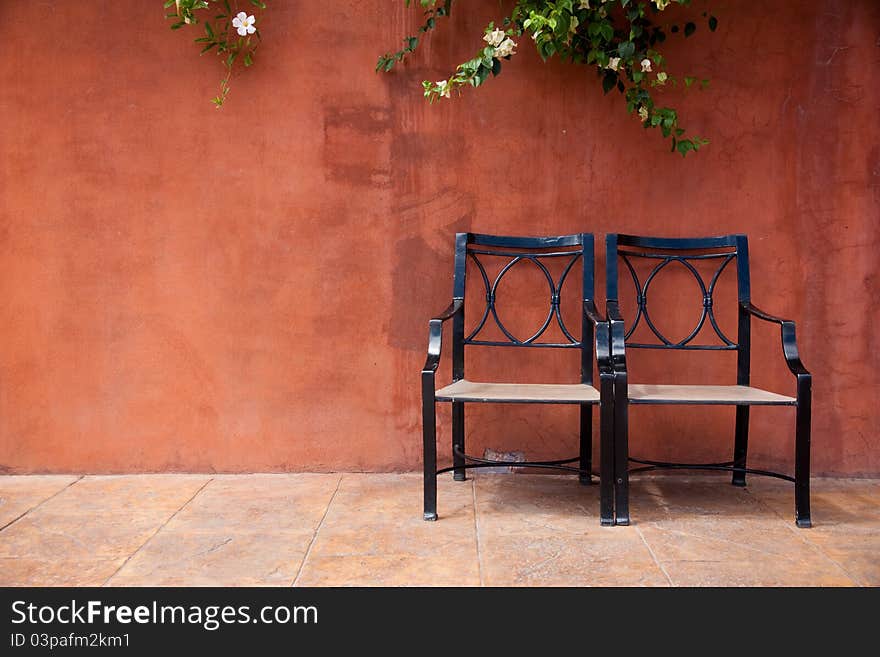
{"points": [[707, 290], [555, 291]]}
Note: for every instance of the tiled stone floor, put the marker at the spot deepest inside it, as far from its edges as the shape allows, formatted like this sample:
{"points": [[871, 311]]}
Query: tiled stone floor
{"points": [[366, 529]]}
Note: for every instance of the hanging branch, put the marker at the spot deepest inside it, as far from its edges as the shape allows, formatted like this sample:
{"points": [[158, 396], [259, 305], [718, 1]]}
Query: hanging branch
{"points": [[620, 39], [231, 33]]}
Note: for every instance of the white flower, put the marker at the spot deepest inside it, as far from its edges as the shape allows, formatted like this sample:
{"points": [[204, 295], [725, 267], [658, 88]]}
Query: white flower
{"points": [[646, 65], [244, 24], [443, 88], [613, 63], [584, 4], [494, 38], [505, 48], [661, 4], [643, 113], [661, 77]]}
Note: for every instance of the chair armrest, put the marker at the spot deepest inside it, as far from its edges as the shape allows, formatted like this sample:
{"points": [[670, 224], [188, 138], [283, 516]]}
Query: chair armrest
{"points": [[789, 338], [592, 313], [602, 334], [435, 335], [752, 309], [617, 336], [449, 313]]}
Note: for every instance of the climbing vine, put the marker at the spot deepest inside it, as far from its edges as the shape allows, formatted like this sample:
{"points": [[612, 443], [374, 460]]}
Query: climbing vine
{"points": [[620, 39], [231, 33]]}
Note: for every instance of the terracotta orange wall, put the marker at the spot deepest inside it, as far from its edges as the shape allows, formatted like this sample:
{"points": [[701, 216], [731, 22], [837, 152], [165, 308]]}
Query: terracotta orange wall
{"points": [[186, 289]]}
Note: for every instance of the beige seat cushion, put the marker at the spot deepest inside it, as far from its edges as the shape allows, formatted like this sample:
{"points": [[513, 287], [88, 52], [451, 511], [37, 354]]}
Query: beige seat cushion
{"points": [[640, 393], [464, 390]]}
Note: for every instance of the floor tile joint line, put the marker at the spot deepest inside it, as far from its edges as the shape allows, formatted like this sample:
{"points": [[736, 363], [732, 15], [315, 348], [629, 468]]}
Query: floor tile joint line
{"points": [[158, 529], [477, 532], [317, 529], [799, 532], [654, 556], [41, 503]]}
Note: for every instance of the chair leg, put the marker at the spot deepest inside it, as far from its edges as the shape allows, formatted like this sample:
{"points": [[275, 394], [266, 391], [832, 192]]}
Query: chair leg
{"points": [[458, 440], [585, 462], [802, 452], [741, 445], [621, 450], [606, 450], [429, 431]]}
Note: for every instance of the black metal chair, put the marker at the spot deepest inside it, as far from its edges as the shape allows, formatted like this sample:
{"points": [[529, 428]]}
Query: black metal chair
{"points": [[593, 331], [686, 251]]}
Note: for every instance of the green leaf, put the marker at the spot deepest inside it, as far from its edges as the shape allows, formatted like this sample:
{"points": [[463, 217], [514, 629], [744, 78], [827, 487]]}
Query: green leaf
{"points": [[480, 77], [609, 81], [689, 29], [713, 23], [626, 49], [685, 145]]}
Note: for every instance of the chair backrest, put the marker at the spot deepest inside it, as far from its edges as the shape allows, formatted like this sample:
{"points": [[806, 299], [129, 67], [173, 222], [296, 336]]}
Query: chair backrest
{"points": [[686, 251], [474, 248]]}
